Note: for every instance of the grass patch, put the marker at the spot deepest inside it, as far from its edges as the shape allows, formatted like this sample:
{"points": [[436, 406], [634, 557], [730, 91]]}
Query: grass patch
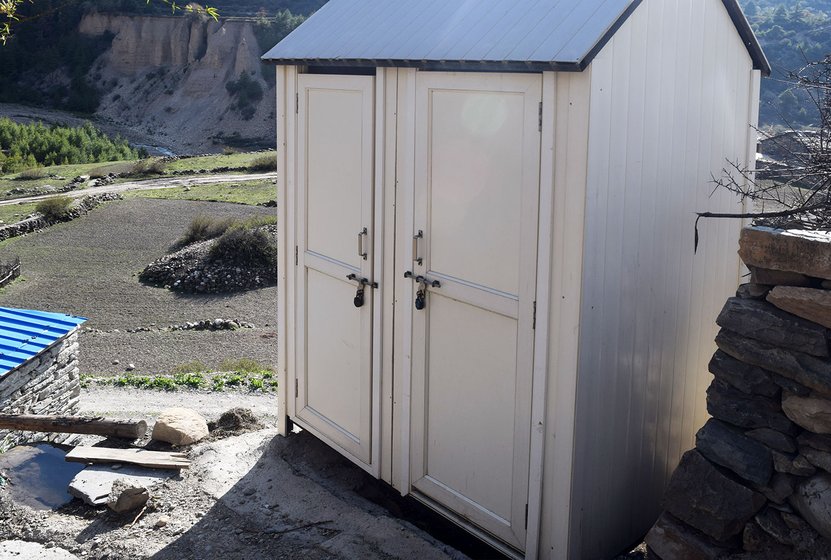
{"points": [[242, 375], [203, 228], [243, 192], [264, 163], [31, 174], [12, 213], [239, 245], [237, 161]]}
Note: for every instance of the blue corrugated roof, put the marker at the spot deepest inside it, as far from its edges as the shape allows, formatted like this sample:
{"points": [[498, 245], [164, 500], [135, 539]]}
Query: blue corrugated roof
{"points": [[468, 34], [25, 333]]}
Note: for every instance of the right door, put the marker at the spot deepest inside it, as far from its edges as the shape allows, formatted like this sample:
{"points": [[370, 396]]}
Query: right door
{"points": [[474, 260]]}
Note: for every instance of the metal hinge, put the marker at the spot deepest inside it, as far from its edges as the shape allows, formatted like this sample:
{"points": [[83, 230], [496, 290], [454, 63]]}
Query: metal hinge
{"points": [[297, 394], [295, 255], [539, 126], [526, 517], [296, 103], [534, 320]]}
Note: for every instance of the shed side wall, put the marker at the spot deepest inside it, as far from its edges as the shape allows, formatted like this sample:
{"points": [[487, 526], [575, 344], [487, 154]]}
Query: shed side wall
{"points": [[670, 102]]}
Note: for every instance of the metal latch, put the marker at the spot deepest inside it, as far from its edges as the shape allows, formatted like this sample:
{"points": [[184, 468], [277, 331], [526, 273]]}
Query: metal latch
{"points": [[421, 292], [362, 284]]}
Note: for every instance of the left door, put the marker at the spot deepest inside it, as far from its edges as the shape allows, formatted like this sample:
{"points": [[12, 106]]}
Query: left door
{"points": [[333, 391]]}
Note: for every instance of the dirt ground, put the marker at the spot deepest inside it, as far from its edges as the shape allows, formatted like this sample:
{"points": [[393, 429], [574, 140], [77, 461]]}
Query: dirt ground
{"points": [[89, 267]]}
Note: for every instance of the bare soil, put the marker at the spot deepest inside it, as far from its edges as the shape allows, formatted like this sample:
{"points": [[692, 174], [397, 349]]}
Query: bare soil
{"points": [[89, 267]]}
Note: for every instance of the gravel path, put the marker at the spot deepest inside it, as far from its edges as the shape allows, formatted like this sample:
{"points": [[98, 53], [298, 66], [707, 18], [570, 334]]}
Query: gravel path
{"points": [[89, 267]]}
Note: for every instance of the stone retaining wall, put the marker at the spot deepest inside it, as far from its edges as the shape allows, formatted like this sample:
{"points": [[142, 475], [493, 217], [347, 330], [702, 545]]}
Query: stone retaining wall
{"points": [[38, 222], [758, 483], [47, 384]]}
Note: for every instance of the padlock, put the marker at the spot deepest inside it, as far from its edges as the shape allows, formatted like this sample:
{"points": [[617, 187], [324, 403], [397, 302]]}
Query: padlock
{"points": [[421, 300], [359, 298]]}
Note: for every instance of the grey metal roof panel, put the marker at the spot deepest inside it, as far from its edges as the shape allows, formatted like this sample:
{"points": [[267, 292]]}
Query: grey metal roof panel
{"points": [[25, 333], [469, 34]]}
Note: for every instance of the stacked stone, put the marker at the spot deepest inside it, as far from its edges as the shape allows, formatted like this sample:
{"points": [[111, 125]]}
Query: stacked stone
{"points": [[758, 483], [37, 222], [46, 384]]}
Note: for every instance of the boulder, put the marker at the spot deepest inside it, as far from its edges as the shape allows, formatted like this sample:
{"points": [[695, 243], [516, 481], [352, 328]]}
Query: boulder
{"points": [[765, 322], [812, 499], [820, 459], [94, 484], [796, 465], [731, 449], [764, 276], [671, 539], [771, 522], [806, 370], [805, 252], [702, 496], [813, 414], [774, 440], [779, 489], [808, 303], [757, 540], [746, 411], [180, 426], [749, 379], [126, 496]]}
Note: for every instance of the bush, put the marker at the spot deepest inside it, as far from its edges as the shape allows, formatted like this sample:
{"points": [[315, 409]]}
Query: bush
{"points": [[146, 167], [264, 163], [202, 228], [29, 174], [54, 209], [249, 247]]}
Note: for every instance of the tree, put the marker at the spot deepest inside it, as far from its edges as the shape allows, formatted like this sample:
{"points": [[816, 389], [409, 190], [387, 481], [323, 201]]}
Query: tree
{"points": [[794, 192]]}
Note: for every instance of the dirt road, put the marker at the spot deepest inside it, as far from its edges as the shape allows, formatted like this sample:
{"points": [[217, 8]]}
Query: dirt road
{"points": [[150, 184]]}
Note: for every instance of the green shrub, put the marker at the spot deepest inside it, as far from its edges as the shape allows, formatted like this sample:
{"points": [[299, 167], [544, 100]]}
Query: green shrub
{"points": [[245, 365], [145, 167], [54, 209], [202, 228], [263, 163], [250, 247], [29, 174]]}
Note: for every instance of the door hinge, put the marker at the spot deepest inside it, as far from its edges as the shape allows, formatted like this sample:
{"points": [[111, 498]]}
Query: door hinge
{"points": [[296, 103], [534, 320], [526, 517], [539, 125], [297, 395], [295, 255]]}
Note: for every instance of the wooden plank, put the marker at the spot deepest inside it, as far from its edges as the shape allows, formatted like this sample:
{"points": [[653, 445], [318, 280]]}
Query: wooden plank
{"points": [[154, 459], [73, 425]]}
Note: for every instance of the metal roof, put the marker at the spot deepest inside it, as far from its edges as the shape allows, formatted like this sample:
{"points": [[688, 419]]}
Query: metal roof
{"points": [[25, 333], [496, 35]]}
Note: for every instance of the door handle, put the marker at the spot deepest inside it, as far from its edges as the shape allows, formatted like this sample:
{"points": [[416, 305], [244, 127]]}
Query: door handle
{"points": [[420, 235], [361, 252]]}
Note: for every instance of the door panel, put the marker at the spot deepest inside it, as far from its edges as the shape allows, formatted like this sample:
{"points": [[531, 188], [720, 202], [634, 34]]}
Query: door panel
{"points": [[476, 203], [335, 195]]}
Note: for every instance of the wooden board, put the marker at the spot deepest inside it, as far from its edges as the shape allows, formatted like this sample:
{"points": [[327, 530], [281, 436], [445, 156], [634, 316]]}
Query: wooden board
{"points": [[154, 459]]}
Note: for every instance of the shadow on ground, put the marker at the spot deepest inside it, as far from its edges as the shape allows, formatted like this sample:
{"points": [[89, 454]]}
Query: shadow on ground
{"points": [[303, 500]]}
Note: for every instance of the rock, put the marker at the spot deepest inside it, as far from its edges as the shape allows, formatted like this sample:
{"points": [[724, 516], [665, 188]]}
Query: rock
{"points": [[671, 539], [811, 413], [116, 362], [820, 459], [180, 426], [771, 522], [805, 252], [799, 465], [765, 322], [729, 448], [746, 411], [802, 368], [700, 495], [817, 441], [130, 367], [777, 277], [808, 303], [94, 484], [749, 379], [779, 489], [25, 550], [790, 385], [812, 499], [162, 521], [756, 539], [126, 496], [753, 291], [773, 439]]}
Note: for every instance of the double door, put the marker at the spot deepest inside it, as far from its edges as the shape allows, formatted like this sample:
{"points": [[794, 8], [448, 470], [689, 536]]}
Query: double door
{"points": [[471, 260]]}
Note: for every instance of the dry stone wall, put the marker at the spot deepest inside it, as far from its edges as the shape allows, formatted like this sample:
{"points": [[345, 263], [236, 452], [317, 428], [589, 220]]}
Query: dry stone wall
{"points": [[758, 483], [47, 384]]}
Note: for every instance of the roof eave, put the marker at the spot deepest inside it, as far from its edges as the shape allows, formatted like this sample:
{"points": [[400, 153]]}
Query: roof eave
{"points": [[760, 61], [445, 65]]}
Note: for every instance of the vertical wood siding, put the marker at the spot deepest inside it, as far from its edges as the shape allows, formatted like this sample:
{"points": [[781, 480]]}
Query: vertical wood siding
{"points": [[670, 103]]}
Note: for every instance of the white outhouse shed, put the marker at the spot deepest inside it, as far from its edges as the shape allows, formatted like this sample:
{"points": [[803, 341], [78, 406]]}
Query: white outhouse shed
{"points": [[489, 296]]}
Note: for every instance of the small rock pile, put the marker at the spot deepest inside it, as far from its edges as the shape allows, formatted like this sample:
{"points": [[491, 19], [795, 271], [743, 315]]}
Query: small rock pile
{"points": [[215, 325], [37, 221], [758, 483], [191, 270]]}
